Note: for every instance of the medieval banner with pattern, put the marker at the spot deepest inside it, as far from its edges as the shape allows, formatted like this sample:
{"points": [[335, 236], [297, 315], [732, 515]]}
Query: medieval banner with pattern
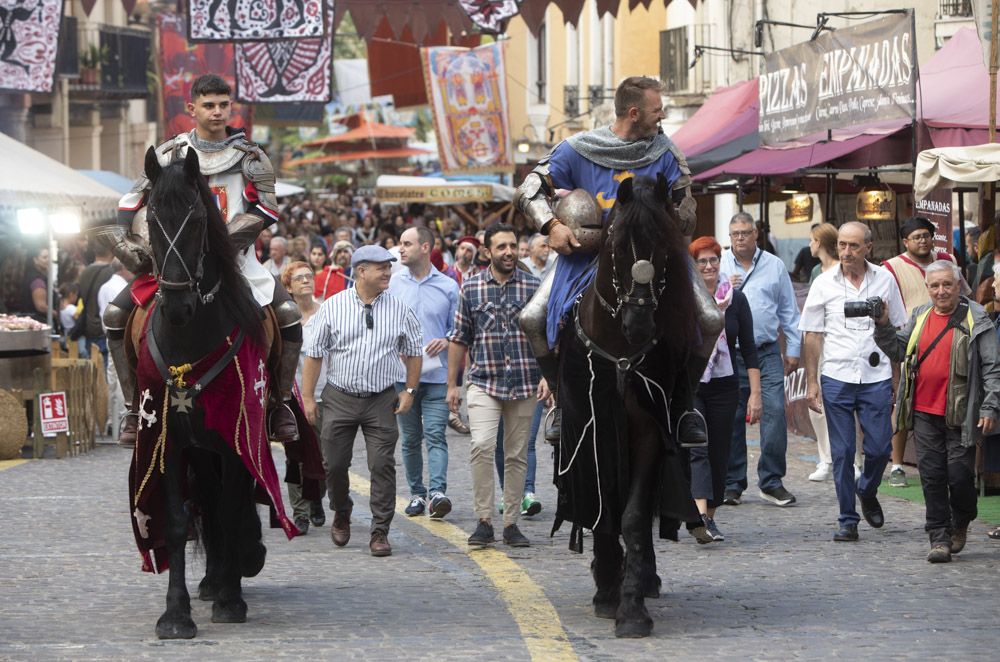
{"points": [[182, 62], [29, 38], [253, 20], [490, 15], [467, 89], [282, 71]]}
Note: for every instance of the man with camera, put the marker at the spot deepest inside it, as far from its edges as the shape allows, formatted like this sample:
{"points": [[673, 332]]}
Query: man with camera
{"points": [[838, 324], [949, 395]]}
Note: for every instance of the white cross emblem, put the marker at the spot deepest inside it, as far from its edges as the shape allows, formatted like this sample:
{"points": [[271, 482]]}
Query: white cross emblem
{"points": [[141, 521], [261, 384], [181, 401], [150, 416]]}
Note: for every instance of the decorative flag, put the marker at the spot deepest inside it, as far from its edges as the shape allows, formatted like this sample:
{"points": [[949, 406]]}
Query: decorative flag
{"points": [[29, 37], [490, 15], [279, 71], [180, 64], [255, 20], [467, 89]]}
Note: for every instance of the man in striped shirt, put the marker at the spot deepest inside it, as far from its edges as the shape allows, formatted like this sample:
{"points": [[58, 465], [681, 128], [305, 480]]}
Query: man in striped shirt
{"points": [[363, 332], [504, 380]]}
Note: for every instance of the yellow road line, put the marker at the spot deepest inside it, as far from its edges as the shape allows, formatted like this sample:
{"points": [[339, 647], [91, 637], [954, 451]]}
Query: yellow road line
{"points": [[7, 464], [535, 616]]}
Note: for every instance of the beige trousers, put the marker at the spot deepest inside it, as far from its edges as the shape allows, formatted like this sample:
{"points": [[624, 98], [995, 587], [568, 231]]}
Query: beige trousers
{"points": [[485, 413]]}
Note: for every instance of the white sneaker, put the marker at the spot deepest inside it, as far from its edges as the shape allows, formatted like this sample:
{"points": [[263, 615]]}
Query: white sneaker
{"points": [[823, 472]]}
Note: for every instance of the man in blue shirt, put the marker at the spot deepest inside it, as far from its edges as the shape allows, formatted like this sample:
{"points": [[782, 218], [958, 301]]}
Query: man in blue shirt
{"points": [[764, 281], [433, 298]]}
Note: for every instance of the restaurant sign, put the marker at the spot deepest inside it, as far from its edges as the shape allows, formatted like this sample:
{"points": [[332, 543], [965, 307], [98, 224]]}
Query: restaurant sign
{"points": [[850, 76], [454, 194]]}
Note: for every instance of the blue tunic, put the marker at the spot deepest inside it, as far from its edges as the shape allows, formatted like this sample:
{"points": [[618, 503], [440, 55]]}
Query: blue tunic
{"points": [[570, 171]]}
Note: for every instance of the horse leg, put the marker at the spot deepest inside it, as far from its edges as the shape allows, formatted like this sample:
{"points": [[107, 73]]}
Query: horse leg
{"points": [[207, 483], [175, 622], [235, 496], [607, 571], [651, 582], [633, 619]]}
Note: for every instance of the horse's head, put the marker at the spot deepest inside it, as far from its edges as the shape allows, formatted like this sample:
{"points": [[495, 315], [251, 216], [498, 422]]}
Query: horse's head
{"points": [[641, 235], [178, 218]]}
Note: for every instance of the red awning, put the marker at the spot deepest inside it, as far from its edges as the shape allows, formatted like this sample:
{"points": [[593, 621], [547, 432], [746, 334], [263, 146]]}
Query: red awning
{"points": [[397, 153], [730, 113]]}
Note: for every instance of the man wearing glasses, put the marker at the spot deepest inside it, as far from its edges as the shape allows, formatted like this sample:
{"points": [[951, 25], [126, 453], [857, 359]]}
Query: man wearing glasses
{"points": [[763, 279], [908, 268], [363, 332], [856, 375]]}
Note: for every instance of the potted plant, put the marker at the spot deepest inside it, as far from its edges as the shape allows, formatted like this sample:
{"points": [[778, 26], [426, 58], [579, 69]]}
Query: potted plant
{"points": [[91, 60]]}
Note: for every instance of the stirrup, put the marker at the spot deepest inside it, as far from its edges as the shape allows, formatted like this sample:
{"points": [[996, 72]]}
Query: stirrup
{"points": [[688, 444]]}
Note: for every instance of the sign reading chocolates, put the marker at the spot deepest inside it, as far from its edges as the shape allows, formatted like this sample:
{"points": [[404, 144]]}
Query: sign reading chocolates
{"points": [[855, 75]]}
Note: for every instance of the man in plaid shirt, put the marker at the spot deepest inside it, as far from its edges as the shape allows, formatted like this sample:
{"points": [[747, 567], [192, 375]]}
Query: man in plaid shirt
{"points": [[504, 381]]}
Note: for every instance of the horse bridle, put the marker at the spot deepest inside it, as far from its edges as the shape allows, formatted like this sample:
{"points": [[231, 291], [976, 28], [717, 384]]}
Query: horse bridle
{"points": [[193, 283], [642, 273]]}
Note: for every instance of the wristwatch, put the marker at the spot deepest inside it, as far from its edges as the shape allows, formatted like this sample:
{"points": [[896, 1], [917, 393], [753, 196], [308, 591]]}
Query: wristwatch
{"points": [[410, 390]]}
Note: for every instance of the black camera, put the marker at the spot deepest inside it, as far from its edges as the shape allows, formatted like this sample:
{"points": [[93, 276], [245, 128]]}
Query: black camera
{"points": [[870, 307]]}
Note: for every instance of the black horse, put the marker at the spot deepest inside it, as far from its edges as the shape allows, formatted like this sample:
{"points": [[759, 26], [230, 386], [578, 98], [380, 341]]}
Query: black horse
{"points": [[618, 463], [204, 309]]}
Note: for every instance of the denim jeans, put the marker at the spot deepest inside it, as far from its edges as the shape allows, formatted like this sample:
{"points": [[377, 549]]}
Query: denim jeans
{"points": [[529, 479], [873, 405], [773, 435], [426, 421]]}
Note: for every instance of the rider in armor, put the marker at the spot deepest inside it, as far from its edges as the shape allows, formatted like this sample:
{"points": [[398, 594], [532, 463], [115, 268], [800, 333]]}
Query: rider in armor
{"points": [[242, 180], [597, 161]]}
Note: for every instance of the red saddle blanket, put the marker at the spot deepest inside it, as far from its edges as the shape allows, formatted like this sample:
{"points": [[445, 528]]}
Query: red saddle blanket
{"points": [[233, 405]]}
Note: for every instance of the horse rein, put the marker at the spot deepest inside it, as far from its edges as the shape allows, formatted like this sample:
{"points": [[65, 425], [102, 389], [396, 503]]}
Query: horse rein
{"points": [[642, 273], [193, 283]]}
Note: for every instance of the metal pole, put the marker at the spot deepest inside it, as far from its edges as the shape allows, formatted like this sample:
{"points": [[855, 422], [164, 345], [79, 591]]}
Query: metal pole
{"points": [[53, 272], [961, 232], [993, 71]]}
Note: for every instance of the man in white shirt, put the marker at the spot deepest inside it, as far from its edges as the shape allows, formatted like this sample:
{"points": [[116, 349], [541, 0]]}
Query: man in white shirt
{"points": [[856, 375], [277, 258], [117, 400], [540, 258]]}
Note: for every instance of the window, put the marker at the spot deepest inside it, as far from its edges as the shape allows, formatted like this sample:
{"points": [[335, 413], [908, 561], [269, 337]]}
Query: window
{"points": [[674, 59], [541, 62]]}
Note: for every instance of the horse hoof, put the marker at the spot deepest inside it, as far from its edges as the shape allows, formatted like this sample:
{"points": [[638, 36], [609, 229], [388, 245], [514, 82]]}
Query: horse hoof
{"points": [[252, 562], [605, 609], [172, 627], [230, 611], [207, 591], [633, 629]]}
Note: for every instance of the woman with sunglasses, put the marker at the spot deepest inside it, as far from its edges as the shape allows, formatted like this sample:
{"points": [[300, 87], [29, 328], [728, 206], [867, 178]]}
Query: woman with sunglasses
{"points": [[720, 390]]}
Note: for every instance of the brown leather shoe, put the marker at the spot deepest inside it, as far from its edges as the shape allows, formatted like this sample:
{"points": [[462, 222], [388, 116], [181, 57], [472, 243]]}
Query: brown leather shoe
{"points": [[128, 433], [959, 538], [379, 545], [281, 424], [340, 530]]}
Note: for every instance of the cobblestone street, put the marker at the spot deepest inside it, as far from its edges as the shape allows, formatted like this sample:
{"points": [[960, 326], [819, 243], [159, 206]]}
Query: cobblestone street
{"points": [[777, 588]]}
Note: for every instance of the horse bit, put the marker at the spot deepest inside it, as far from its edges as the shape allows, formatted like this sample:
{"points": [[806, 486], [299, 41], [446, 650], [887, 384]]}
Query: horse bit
{"points": [[642, 273], [193, 283]]}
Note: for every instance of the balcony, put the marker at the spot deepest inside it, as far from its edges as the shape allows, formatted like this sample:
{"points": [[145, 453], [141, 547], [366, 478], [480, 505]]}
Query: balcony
{"points": [[122, 59], [955, 8]]}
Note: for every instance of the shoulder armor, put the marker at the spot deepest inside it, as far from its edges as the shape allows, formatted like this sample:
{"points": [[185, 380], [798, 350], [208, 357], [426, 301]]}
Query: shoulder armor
{"points": [[258, 169]]}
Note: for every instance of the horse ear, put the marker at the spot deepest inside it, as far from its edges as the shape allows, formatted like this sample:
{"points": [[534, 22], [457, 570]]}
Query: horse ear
{"points": [[624, 194], [191, 166], [152, 165], [662, 188]]}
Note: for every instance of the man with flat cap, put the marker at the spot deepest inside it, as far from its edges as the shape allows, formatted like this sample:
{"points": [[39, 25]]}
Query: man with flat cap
{"points": [[363, 331], [917, 234]]}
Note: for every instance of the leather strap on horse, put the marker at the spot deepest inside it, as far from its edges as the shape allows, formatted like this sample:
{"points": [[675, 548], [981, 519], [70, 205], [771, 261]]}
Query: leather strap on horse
{"points": [[209, 375], [623, 365]]}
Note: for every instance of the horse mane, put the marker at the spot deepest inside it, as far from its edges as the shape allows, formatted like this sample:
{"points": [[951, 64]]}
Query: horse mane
{"points": [[654, 229], [234, 292]]}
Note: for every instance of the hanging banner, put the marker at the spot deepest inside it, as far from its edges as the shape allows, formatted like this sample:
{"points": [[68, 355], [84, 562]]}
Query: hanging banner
{"points": [[490, 15], [282, 71], [936, 207], [180, 64], [450, 193], [852, 76], [247, 20], [467, 89], [29, 37]]}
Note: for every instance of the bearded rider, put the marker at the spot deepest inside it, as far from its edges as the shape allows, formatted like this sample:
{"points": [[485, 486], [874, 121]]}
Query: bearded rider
{"points": [[242, 181], [597, 161]]}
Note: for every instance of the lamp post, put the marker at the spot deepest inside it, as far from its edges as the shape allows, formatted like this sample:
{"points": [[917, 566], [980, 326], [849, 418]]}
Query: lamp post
{"points": [[34, 221]]}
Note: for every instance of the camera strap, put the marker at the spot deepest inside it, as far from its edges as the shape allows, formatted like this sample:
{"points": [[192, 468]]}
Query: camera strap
{"points": [[753, 269], [954, 322]]}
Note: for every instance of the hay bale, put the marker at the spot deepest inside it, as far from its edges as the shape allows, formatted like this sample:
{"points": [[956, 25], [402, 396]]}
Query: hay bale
{"points": [[14, 430]]}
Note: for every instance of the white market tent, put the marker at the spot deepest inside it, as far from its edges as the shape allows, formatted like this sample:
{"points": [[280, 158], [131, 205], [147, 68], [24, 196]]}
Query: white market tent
{"points": [[29, 178], [947, 166], [285, 189]]}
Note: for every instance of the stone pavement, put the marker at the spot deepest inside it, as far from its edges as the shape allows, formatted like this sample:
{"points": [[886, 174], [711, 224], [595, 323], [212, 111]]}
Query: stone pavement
{"points": [[70, 585]]}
